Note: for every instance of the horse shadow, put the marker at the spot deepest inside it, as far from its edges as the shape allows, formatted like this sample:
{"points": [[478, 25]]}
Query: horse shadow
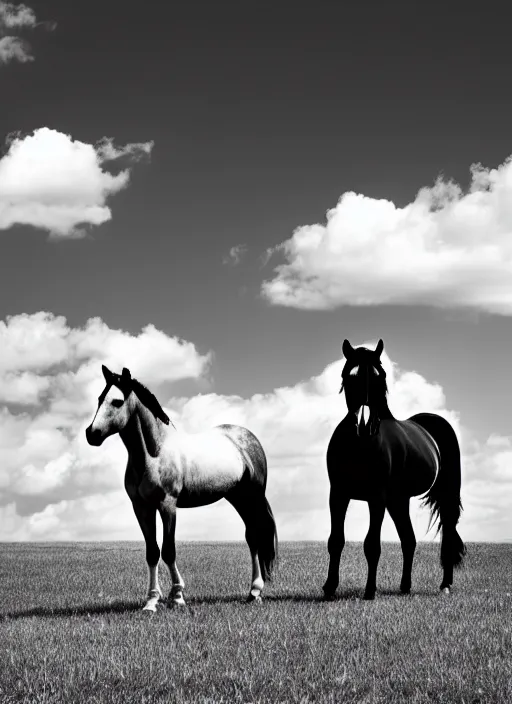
{"points": [[193, 602], [69, 611]]}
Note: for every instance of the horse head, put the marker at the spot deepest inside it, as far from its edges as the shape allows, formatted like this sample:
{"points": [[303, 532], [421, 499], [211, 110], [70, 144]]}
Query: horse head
{"points": [[116, 404], [364, 383], [113, 410]]}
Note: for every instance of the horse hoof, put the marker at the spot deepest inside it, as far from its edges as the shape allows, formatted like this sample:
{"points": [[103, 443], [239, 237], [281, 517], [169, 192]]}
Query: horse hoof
{"points": [[405, 592], [254, 599], [149, 609], [445, 590], [369, 596], [177, 602], [329, 592]]}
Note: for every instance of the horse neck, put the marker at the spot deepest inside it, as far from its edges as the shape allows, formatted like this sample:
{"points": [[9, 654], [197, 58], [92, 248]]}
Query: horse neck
{"points": [[144, 434], [381, 410]]}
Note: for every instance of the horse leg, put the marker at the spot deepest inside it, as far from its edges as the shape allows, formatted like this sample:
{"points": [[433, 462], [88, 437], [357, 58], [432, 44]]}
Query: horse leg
{"points": [[243, 506], [398, 508], [257, 582], [372, 545], [452, 551], [167, 509], [450, 542], [146, 516], [338, 506], [447, 582]]}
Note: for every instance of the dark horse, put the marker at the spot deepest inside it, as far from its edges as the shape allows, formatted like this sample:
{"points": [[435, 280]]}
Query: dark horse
{"points": [[168, 468], [385, 461]]}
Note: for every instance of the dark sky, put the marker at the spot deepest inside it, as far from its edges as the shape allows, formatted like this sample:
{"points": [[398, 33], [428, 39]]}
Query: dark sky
{"points": [[262, 115]]}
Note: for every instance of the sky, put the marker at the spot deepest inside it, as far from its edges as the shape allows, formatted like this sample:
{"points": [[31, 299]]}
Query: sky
{"points": [[216, 195]]}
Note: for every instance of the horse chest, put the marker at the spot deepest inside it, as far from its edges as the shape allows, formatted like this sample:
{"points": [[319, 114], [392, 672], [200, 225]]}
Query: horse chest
{"points": [[143, 480]]}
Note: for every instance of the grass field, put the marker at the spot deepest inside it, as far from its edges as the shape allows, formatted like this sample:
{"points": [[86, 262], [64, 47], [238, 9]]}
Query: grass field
{"points": [[71, 629]]}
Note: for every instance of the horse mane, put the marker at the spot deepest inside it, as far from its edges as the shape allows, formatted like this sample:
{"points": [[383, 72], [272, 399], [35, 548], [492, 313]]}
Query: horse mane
{"points": [[150, 401]]}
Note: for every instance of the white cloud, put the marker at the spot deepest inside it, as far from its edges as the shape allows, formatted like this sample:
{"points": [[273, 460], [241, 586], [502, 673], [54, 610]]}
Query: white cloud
{"points": [[294, 425], [25, 388], [107, 151], [446, 248], [14, 49], [488, 472], [57, 184], [17, 17], [53, 372], [152, 355], [53, 485], [235, 255], [32, 342]]}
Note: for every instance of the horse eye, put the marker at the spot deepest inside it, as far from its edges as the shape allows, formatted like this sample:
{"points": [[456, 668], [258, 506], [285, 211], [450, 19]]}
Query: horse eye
{"points": [[117, 402]]}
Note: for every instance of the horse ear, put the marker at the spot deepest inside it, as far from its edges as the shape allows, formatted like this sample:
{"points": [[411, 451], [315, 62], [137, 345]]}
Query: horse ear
{"points": [[126, 377], [347, 349], [106, 373], [379, 348]]}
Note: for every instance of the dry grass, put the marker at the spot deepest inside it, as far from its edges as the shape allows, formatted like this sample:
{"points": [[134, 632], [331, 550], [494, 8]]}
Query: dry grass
{"points": [[71, 629]]}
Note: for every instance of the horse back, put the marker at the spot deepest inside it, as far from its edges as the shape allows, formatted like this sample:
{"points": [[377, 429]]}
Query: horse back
{"points": [[213, 464]]}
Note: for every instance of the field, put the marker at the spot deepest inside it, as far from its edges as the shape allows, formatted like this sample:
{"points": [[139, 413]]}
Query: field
{"points": [[71, 629]]}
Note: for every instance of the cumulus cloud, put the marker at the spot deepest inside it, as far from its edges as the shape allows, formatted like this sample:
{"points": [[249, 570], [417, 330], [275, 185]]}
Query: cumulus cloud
{"points": [[55, 486], [294, 425], [14, 49], [235, 255], [447, 248], [488, 473], [17, 17], [57, 184], [50, 378]]}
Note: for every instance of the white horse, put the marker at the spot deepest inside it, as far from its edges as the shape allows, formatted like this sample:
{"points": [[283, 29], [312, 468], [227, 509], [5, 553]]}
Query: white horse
{"points": [[168, 468]]}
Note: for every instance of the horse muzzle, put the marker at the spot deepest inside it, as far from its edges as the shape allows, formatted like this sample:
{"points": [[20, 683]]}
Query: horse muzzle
{"points": [[94, 436]]}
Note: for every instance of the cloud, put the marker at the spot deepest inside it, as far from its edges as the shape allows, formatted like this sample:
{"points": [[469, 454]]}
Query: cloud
{"points": [[14, 49], [294, 425], [235, 255], [488, 474], [107, 151], [57, 184], [50, 378], [55, 486], [17, 17], [446, 249]]}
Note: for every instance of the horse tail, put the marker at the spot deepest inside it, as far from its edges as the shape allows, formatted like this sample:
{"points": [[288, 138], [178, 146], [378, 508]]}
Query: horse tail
{"points": [[266, 533], [443, 498]]}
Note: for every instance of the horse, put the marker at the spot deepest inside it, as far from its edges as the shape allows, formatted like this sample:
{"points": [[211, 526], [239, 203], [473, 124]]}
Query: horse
{"points": [[385, 462], [169, 469]]}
